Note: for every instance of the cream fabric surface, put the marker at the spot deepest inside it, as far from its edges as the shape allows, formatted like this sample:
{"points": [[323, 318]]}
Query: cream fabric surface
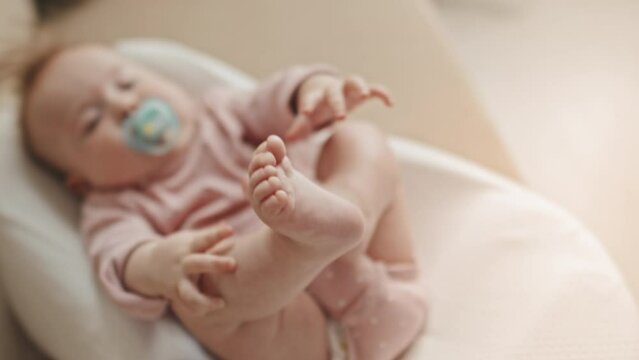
{"points": [[510, 275]]}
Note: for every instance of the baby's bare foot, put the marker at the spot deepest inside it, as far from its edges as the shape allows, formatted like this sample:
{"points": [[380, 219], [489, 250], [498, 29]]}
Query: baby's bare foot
{"points": [[293, 205]]}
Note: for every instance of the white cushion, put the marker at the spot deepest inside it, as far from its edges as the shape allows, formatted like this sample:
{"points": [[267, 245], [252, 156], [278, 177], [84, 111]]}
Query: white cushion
{"points": [[510, 276]]}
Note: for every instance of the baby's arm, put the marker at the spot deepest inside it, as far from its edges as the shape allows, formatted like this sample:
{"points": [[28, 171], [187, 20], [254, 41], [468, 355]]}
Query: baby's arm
{"points": [[325, 98], [270, 108], [294, 102], [118, 236]]}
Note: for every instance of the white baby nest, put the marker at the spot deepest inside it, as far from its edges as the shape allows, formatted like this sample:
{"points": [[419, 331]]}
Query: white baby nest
{"points": [[509, 275]]}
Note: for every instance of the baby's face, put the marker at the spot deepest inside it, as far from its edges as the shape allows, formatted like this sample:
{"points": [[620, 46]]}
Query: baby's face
{"points": [[76, 112]]}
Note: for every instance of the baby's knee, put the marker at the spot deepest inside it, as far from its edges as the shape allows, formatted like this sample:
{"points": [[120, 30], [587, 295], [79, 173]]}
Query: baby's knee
{"points": [[372, 144], [360, 131]]}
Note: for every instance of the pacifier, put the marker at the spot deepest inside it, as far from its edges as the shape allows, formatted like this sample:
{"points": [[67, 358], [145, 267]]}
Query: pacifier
{"points": [[153, 128]]}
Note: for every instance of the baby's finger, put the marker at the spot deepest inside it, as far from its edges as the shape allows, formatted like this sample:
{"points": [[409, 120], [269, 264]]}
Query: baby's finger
{"points": [[336, 100], [300, 128], [381, 93], [195, 301], [205, 238], [222, 248], [194, 264], [355, 87], [309, 101]]}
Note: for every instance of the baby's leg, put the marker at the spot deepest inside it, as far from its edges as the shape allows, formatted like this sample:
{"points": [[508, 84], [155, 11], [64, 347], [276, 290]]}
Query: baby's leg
{"points": [[297, 331], [391, 242], [266, 316], [358, 164], [381, 316]]}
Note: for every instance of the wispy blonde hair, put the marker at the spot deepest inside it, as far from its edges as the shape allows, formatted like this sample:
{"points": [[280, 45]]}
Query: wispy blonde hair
{"points": [[20, 67]]}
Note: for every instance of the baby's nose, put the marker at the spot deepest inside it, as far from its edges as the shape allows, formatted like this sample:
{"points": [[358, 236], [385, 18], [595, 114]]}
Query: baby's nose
{"points": [[123, 103], [129, 104]]}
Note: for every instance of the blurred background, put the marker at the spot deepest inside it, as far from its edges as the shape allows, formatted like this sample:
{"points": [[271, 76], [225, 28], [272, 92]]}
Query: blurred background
{"points": [[560, 81], [545, 92]]}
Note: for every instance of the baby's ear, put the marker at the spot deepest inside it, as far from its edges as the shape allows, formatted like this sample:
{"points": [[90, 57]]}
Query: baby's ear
{"points": [[78, 185]]}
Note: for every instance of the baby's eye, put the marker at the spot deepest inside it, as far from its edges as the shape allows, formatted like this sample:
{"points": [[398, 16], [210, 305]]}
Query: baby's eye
{"points": [[126, 84], [126, 80]]}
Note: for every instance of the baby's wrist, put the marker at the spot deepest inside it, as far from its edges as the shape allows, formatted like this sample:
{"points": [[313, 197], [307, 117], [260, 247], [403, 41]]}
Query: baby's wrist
{"points": [[141, 275]]}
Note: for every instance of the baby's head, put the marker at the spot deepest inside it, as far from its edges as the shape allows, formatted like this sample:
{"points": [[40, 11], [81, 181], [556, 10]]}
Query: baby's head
{"points": [[83, 106]]}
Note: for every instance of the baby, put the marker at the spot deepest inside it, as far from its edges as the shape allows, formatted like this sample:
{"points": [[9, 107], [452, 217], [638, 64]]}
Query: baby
{"points": [[222, 208]]}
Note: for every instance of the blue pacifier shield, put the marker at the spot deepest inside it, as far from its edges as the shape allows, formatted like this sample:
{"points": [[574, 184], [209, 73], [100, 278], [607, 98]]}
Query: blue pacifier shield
{"points": [[153, 128]]}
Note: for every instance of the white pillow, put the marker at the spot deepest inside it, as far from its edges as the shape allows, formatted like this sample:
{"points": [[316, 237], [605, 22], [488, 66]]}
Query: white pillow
{"points": [[510, 276]]}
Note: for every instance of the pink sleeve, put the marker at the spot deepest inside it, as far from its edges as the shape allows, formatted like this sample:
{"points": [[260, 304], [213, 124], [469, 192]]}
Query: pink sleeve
{"points": [[112, 232], [267, 109]]}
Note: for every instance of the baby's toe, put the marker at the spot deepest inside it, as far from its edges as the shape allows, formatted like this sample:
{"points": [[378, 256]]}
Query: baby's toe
{"points": [[275, 203], [260, 148], [266, 188], [284, 198], [276, 146], [261, 160], [261, 174]]}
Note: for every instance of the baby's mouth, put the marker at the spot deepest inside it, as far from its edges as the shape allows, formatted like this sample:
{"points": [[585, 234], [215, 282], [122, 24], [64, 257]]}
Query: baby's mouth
{"points": [[153, 128]]}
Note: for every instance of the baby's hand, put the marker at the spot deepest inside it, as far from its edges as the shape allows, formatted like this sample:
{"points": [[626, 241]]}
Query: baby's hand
{"points": [[183, 257], [323, 99]]}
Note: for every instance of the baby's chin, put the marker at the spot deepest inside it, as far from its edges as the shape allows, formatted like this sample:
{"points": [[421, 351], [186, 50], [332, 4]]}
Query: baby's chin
{"points": [[139, 169]]}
